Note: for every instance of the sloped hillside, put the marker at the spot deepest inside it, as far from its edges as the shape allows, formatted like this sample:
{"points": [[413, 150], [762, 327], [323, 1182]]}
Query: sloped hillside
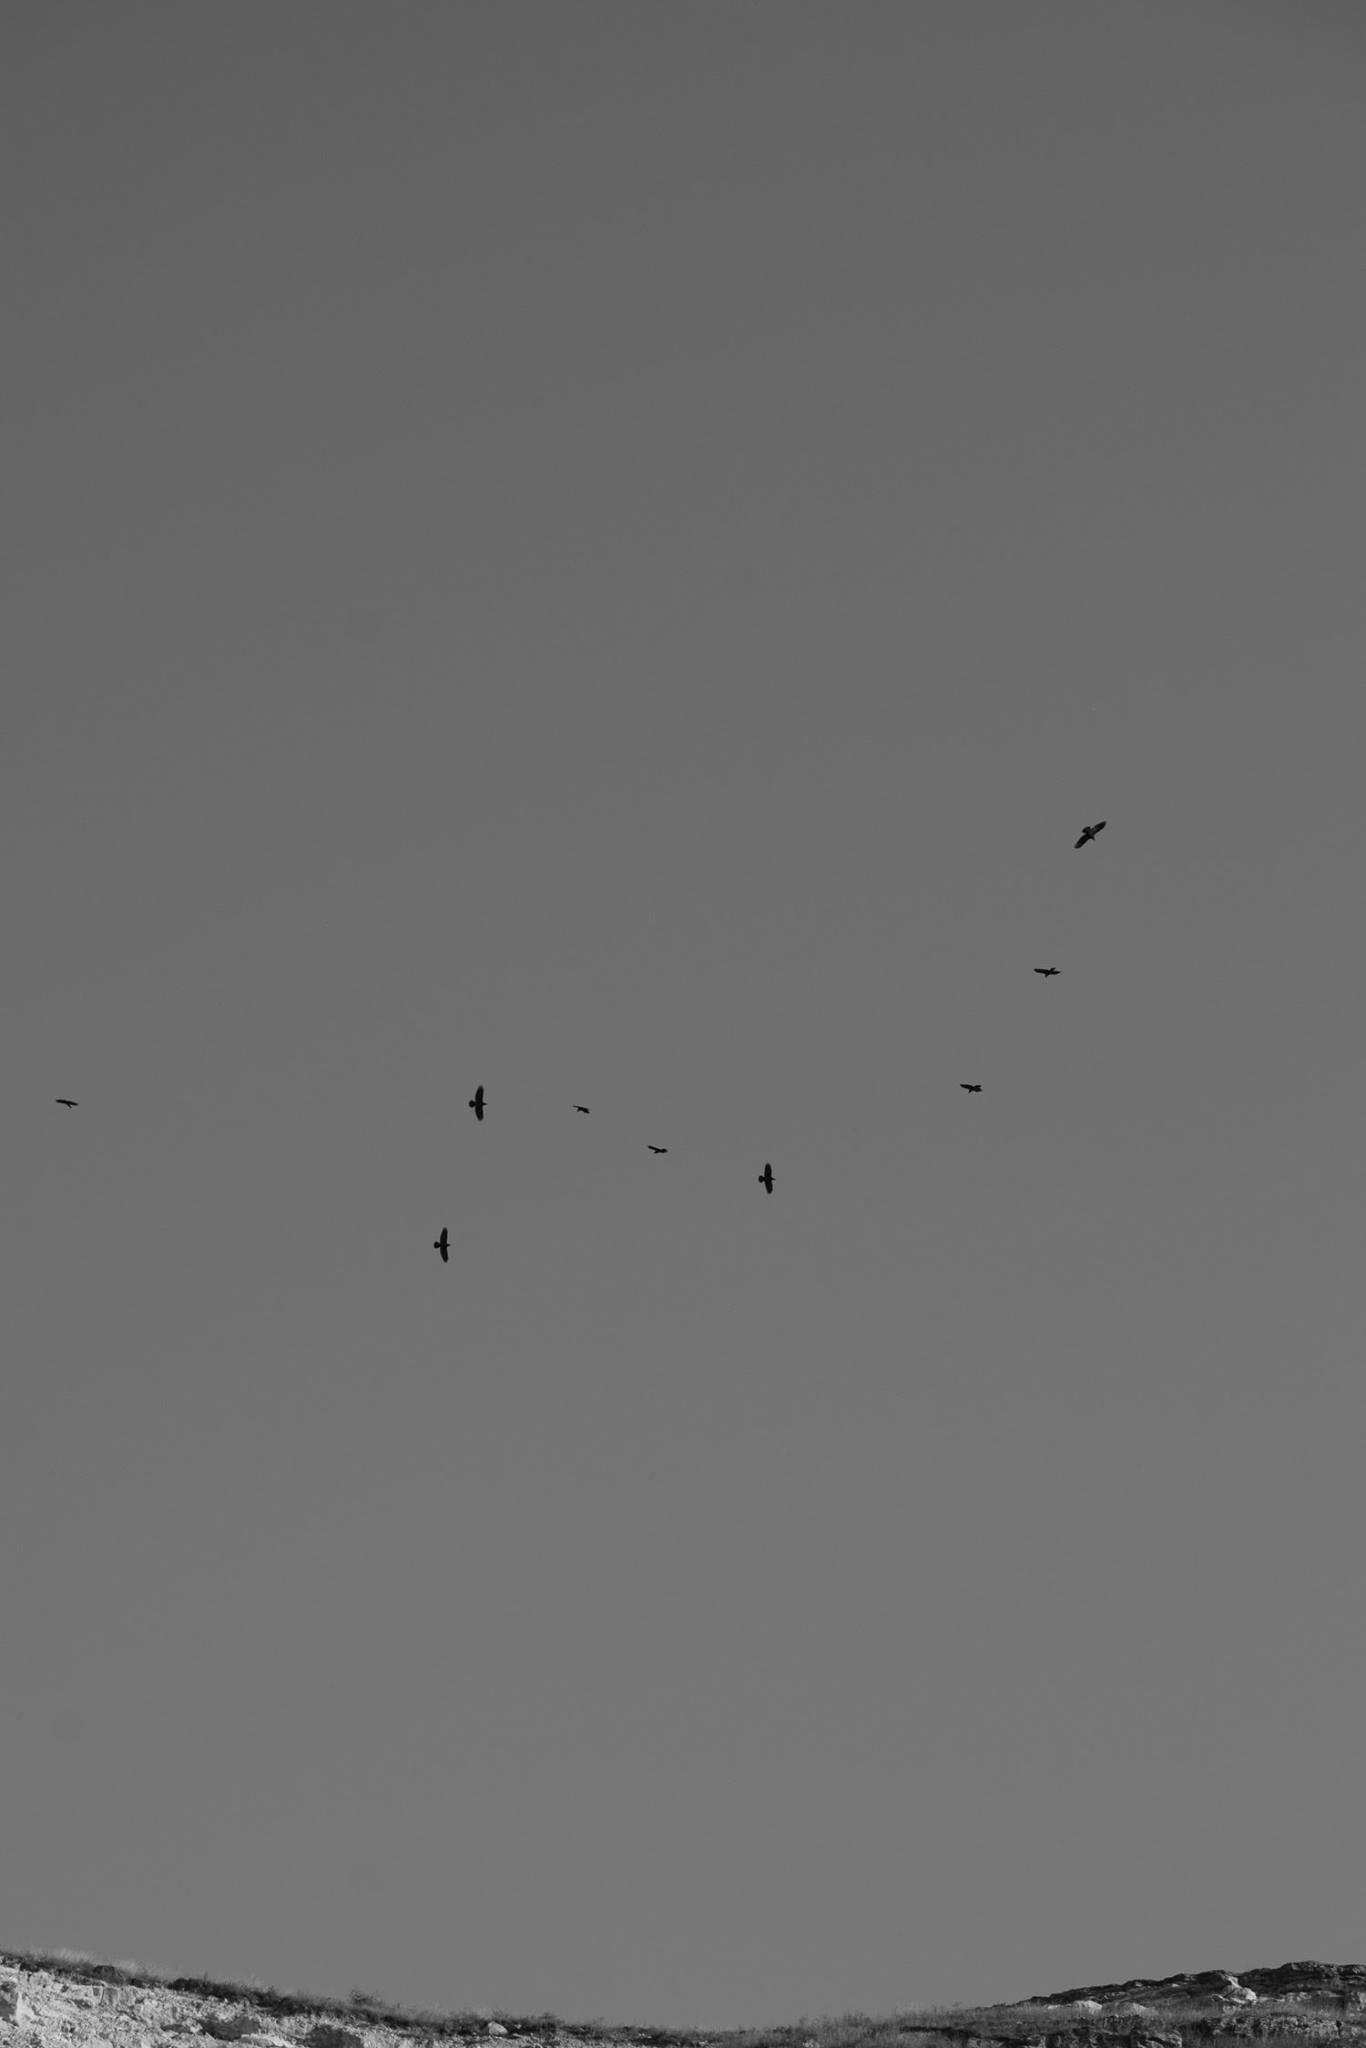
{"points": [[62, 2000]]}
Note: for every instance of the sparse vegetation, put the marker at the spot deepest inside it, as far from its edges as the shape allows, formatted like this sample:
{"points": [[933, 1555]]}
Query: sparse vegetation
{"points": [[1275, 2023]]}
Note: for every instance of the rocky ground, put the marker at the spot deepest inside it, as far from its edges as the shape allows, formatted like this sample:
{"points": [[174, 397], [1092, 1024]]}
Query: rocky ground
{"points": [[51, 2006], [1298, 2005], [59, 2001]]}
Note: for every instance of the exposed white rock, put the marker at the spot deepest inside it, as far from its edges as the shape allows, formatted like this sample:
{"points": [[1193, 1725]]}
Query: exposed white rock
{"points": [[11, 1998]]}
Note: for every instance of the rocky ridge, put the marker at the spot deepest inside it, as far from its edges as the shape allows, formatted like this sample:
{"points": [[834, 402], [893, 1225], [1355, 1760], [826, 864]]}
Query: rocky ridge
{"points": [[1337, 1987], [1295, 2003]]}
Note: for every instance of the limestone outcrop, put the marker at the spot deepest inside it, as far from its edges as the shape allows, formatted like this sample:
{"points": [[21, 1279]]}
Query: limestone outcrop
{"points": [[1331, 1987], [46, 2007]]}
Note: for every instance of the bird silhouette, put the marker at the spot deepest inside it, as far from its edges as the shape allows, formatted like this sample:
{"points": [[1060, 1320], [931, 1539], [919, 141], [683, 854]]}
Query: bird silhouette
{"points": [[656, 1148], [766, 1177], [443, 1245], [1046, 971], [476, 1103], [582, 1108], [66, 1102], [1089, 832], [973, 1087]]}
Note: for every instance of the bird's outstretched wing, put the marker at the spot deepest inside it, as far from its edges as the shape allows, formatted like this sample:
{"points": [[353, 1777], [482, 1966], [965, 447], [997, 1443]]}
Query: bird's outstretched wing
{"points": [[442, 1245], [66, 1102], [582, 1108], [656, 1148]]}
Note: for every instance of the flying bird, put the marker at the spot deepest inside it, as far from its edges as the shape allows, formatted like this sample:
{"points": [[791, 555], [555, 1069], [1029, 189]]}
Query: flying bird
{"points": [[476, 1103], [443, 1245], [656, 1148], [973, 1087], [582, 1108], [66, 1102], [1046, 971], [1089, 832], [766, 1177]]}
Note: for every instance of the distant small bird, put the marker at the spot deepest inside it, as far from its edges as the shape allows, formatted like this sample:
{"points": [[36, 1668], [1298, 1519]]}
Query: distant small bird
{"points": [[766, 1177], [973, 1087], [1089, 832], [476, 1103], [66, 1102], [656, 1148], [443, 1245], [582, 1108], [1046, 971]]}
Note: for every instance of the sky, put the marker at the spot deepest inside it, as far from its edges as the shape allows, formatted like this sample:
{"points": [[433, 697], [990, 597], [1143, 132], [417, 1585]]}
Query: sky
{"points": [[607, 551]]}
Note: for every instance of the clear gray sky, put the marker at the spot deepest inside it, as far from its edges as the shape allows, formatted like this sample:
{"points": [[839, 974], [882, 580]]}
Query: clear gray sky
{"points": [[608, 550]]}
